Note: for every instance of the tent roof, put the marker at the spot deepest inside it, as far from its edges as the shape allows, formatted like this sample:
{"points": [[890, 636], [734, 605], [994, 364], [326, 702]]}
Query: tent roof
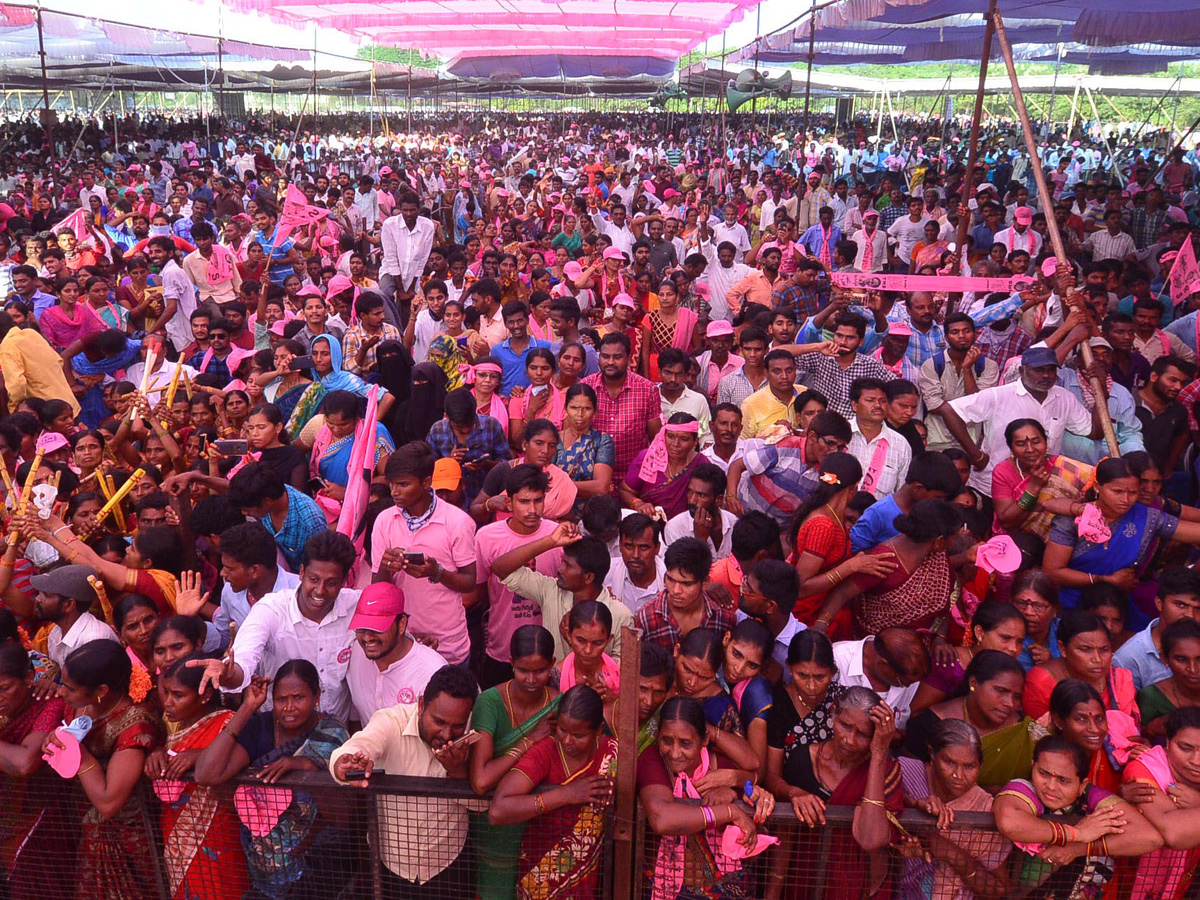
{"points": [[536, 38], [1101, 34]]}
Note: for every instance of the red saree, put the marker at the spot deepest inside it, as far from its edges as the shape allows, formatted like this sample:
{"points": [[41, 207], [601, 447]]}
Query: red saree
{"points": [[201, 843]]}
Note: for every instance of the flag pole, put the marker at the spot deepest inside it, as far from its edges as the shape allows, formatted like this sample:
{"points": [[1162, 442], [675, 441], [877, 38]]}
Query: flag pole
{"points": [[1056, 241]]}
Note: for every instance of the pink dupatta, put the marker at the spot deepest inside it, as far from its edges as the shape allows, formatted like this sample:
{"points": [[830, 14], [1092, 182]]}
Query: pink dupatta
{"points": [[685, 325]]}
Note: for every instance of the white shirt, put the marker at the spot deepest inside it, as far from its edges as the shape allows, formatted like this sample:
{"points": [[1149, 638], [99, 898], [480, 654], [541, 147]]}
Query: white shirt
{"points": [[235, 607], [848, 656], [425, 329], [275, 632], [1109, 246], [681, 526], [405, 251], [87, 628], [622, 587], [694, 404], [1030, 241], [878, 254], [995, 407], [907, 234], [403, 681], [720, 280], [178, 287], [622, 238], [735, 234], [895, 463]]}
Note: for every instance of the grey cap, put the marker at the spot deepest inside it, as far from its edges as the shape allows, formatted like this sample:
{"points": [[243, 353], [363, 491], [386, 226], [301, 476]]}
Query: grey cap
{"points": [[67, 581]]}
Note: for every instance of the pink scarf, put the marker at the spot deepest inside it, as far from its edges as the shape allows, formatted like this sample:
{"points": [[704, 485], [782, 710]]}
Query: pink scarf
{"points": [[609, 671], [654, 463], [824, 252], [232, 361], [875, 469], [868, 260], [669, 863]]}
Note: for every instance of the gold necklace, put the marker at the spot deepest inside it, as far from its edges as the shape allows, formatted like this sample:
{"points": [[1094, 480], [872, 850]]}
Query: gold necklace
{"points": [[836, 517]]}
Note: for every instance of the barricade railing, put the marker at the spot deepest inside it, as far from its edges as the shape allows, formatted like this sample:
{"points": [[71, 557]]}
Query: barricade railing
{"points": [[307, 838]]}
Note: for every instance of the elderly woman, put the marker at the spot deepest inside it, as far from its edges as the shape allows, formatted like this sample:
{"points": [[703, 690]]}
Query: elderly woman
{"points": [[1059, 860], [853, 767], [659, 475], [951, 862], [1031, 486]]}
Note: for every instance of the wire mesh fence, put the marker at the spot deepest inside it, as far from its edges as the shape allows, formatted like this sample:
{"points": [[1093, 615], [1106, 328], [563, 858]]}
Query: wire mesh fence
{"points": [[306, 838]]}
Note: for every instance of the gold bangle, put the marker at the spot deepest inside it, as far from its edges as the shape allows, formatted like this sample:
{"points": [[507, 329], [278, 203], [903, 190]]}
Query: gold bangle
{"points": [[878, 803], [83, 772], [7, 563], [539, 804]]}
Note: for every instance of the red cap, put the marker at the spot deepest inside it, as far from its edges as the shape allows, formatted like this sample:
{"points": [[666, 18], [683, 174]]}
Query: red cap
{"points": [[378, 607]]}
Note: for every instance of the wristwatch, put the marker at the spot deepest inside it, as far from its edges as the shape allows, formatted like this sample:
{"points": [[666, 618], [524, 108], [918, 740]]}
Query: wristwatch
{"points": [[436, 577]]}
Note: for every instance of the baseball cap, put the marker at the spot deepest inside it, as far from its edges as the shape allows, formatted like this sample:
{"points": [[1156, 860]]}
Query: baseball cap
{"points": [[719, 328], [871, 214], [337, 284], [573, 270], [1039, 356], [309, 290], [378, 606], [624, 300], [1023, 215], [51, 441], [67, 581], [899, 329], [671, 192], [1099, 342], [447, 474], [614, 253]]}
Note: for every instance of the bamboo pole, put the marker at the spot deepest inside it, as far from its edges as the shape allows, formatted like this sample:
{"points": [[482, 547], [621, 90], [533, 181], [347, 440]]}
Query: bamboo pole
{"points": [[968, 185], [1056, 241]]}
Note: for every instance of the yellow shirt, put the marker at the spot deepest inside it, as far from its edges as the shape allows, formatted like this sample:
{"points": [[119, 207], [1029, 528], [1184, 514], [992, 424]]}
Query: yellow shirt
{"points": [[31, 368], [763, 409]]}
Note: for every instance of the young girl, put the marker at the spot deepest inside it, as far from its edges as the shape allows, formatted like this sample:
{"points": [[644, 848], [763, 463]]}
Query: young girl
{"points": [[201, 847], [589, 629], [747, 651], [698, 659]]}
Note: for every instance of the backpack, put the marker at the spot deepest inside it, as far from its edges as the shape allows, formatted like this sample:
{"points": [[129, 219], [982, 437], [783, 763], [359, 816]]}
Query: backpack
{"points": [[939, 363]]}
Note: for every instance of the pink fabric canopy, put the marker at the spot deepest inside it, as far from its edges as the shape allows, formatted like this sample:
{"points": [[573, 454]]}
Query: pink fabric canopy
{"points": [[663, 29]]}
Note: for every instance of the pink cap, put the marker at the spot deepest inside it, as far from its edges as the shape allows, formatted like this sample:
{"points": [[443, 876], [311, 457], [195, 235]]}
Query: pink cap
{"points": [[386, 170], [378, 606], [573, 270], [648, 187], [501, 192], [339, 283], [309, 290], [614, 253], [671, 192], [51, 441], [277, 328], [463, 183], [718, 328], [624, 300], [899, 329], [1049, 265], [1023, 215], [871, 214]]}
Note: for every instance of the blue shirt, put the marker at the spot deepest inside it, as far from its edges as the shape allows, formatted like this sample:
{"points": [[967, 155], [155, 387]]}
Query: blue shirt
{"points": [[487, 439], [279, 271], [304, 519], [1141, 657], [1184, 329], [512, 364], [1026, 658], [876, 525]]}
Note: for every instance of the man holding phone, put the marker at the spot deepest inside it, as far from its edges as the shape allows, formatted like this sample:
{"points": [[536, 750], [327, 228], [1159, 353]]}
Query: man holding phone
{"points": [[422, 839], [426, 548]]}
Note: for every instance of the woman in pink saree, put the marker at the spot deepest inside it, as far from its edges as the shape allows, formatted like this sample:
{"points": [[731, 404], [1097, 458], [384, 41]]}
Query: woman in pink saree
{"points": [[671, 325], [659, 475]]}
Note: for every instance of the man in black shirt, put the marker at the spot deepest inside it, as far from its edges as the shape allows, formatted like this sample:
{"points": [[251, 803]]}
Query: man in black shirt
{"points": [[1164, 419]]}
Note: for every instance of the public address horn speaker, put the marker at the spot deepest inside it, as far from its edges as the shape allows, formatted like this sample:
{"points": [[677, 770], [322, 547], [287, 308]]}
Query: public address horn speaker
{"points": [[750, 84]]}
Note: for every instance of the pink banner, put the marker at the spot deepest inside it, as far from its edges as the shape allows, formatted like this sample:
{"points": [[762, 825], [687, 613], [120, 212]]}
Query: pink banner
{"points": [[220, 265], [863, 281], [1185, 272], [297, 213]]}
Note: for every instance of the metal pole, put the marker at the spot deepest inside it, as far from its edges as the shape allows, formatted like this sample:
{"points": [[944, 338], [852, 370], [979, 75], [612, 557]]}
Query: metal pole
{"points": [[968, 185], [1178, 145], [1056, 241], [48, 122], [1074, 106], [1058, 49], [812, 43]]}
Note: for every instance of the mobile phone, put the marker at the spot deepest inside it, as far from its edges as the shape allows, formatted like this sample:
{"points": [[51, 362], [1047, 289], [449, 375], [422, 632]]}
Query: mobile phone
{"points": [[315, 485], [361, 774], [299, 363], [416, 559], [203, 440], [465, 741], [539, 389], [232, 448]]}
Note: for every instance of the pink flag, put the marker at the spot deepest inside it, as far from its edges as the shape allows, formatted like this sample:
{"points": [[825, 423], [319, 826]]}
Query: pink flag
{"points": [[1185, 273], [297, 213], [362, 463], [77, 222], [220, 265]]}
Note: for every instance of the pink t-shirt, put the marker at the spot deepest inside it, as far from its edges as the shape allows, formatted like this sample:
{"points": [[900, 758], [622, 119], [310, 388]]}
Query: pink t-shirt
{"points": [[433, 609], [508, 611]]}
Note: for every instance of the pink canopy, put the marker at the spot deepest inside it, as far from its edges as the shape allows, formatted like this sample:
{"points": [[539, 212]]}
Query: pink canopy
{"points": [[661, 29]]}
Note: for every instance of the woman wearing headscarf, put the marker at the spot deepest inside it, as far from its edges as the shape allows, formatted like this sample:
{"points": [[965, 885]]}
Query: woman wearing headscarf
{"points": [[327, 366]]}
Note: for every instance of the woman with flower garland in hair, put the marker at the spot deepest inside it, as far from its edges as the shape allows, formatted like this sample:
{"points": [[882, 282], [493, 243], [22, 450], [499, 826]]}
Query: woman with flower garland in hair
{"points": [[116, 860], [821, 542]]}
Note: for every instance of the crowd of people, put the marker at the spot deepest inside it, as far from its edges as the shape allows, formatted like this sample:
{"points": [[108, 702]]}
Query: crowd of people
{"points": [[376, 481]]}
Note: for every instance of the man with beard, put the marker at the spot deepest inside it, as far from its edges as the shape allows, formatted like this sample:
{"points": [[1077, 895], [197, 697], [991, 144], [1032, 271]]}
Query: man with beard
{"points": [[704, 519], [1121, 405], [310, 621], [422, 841], [386, 665], [637, 576], [1164, 419], [958, 370], [628, 406]]}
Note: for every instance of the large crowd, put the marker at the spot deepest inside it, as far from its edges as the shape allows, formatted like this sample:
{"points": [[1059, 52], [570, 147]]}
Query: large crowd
{"points": [[349, 452]]}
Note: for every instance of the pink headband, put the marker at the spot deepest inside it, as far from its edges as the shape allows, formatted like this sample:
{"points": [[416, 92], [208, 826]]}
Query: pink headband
{"points": [[469, 372], [683, 427]]}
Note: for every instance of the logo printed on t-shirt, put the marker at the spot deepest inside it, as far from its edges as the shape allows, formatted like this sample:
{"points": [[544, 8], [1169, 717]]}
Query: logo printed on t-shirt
{"points": [[405, 695], [344, 656]]}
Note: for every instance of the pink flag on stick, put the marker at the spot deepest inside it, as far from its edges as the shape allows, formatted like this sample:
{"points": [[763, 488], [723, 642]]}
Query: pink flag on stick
{"points": [[1185, 273], [297, 213], [220, 265], [77, 222]]}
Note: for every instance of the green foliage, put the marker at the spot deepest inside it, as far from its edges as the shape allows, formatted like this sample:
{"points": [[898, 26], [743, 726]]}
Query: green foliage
{"points": [[398, 55]]}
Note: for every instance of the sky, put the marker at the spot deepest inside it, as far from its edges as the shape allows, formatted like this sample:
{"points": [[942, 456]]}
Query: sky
{"points": [[774, 14]]}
